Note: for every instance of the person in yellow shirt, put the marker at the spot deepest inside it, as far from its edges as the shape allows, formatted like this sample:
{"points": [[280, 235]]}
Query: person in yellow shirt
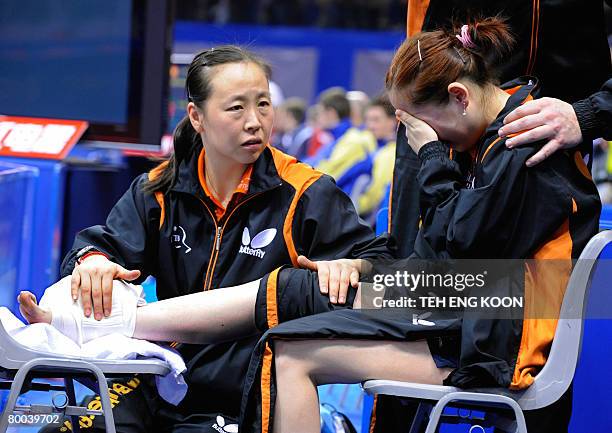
{"points": [[379, 120], [350, 146]]}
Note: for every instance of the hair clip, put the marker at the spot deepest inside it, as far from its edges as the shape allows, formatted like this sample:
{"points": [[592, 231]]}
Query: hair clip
{"points": [[460, 55], [419, 50]]}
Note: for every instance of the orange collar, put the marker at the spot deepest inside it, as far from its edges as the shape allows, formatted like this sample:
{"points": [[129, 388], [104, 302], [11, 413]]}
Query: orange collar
{"points": [[511, 91], [241, 189]]}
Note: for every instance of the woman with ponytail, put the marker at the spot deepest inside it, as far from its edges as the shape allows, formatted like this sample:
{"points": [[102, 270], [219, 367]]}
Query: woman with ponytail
{"points": [[225, 209]]}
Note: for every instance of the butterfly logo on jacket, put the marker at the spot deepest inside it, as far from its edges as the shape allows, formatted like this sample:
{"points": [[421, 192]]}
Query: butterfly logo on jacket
{"points": [[253, 247], [222, 427]]}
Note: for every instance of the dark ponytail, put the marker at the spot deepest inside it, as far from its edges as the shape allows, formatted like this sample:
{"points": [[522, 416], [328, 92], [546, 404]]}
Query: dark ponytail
{"points": [[430, 61], [198, 89]]}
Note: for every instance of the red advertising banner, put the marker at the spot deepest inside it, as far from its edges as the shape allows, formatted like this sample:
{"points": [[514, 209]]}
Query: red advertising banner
{"points": [[29, 137]]}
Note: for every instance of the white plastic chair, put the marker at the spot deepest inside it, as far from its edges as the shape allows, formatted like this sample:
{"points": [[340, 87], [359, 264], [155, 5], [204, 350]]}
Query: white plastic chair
{"points": [[549, 385], [20, 364]]}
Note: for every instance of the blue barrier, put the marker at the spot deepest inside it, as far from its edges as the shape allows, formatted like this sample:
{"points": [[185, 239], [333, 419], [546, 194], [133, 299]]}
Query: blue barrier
{"points": [[592, 384], [45, 231], [16, 219]]}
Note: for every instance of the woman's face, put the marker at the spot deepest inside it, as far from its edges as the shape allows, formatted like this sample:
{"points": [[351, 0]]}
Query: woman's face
{"points": [[446, 119], [236, 120]]}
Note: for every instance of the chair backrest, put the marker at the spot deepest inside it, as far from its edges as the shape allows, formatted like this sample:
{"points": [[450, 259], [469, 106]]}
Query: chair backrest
{"points": [[556, 376]]}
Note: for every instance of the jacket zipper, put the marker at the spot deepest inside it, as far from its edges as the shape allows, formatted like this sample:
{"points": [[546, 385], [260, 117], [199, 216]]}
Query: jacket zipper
{"points": [[218, 240], [217, 246], [215, 243]]}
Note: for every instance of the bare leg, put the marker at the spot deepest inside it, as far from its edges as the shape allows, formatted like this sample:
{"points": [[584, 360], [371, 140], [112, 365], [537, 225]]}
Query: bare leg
{"points": [[302, 365], [206, 317]]}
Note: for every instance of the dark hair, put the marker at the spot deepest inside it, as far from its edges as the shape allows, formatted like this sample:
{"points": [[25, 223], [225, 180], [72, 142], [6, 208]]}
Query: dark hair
{"points": [[198, 89], [296, 107], [383, 102], [335, 98], [430, 61]]}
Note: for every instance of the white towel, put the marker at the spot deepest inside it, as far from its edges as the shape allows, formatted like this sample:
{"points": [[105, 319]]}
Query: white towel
{"points": [[68, 315], [45, 338]]}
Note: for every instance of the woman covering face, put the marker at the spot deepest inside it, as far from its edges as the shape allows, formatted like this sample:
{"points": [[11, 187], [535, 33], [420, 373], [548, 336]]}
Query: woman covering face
{"points": [[478, 200]]}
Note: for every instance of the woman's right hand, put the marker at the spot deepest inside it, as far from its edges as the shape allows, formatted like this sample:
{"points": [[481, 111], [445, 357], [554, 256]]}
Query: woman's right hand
{"points": [[93, 278], [418, 132]]}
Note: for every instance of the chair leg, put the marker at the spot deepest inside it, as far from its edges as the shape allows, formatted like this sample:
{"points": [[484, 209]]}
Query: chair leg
{"points": [[494, 400], [60, 365], [14, 393], [420, 417], [72, 401]]}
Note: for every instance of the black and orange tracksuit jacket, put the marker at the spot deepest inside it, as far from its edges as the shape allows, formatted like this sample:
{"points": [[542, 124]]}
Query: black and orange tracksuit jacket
{"points": [[490, 206], [547, 212], [289, 209]]}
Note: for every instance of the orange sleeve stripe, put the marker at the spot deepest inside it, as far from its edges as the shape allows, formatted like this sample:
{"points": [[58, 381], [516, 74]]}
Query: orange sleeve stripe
{"points": [[271, 306], [160, 200], [288, 226], [415, 17], [159, 196], [300, 176], [266, 380]]}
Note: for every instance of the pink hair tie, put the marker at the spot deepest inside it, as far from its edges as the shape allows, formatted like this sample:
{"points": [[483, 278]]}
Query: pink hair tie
{"points": [[465, 38]]}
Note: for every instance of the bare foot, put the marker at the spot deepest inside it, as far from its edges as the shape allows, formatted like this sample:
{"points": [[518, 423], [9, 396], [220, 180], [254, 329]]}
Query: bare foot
{"points": [[30, 310]]}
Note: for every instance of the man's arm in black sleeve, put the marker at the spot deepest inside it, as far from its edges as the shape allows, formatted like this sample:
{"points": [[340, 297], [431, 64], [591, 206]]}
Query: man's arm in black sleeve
{"points": [[595, 114]]}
